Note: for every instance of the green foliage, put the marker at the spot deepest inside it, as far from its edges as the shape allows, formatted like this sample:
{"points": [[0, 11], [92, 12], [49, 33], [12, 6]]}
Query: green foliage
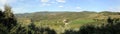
{"points": [[7, 20], [7, 12], [31, 29]]}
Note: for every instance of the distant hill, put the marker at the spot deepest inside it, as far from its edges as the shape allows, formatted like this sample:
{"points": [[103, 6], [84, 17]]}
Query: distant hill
{"points": [[54, 15], [37, 16]]}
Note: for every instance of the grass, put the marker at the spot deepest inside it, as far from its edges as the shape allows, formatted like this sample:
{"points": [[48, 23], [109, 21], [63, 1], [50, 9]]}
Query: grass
{"points": [[82, 21], [78, 23]]}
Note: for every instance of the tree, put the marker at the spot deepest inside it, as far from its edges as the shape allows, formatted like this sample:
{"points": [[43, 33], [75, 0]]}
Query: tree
{"points": [[9, 19], [7, 12], [1, 15]]}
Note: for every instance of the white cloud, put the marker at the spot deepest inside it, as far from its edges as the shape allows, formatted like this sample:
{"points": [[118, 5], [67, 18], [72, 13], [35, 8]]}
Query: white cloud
{"points": [[1, 8], [78, 7], [53, 2], [60, 6], [62, 1], [45, 4], [114, 9], [7, 1], [3, 1], [20, 10], [44, 1]]}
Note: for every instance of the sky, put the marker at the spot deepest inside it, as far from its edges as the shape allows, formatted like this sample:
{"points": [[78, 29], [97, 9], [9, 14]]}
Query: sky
{"points": [[28, 6]]}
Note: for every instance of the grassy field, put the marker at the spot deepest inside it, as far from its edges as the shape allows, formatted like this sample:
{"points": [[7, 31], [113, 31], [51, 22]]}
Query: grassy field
{"points": [[55, 20], [76, 20], [59, 26]]}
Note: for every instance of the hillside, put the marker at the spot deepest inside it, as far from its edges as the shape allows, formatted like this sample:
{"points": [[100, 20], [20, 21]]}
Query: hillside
{"points": [[54, 20]]}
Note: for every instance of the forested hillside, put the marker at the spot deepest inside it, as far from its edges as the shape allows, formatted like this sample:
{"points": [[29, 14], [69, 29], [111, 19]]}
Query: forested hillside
{"points": [[84, 22]]}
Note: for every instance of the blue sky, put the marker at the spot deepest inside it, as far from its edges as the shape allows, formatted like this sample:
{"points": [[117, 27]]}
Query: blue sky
{"points": [[28, 6]]}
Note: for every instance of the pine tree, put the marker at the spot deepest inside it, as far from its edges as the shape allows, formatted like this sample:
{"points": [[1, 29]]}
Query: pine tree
{"points": [[7, 12], [9, 19], [1, 15]]}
